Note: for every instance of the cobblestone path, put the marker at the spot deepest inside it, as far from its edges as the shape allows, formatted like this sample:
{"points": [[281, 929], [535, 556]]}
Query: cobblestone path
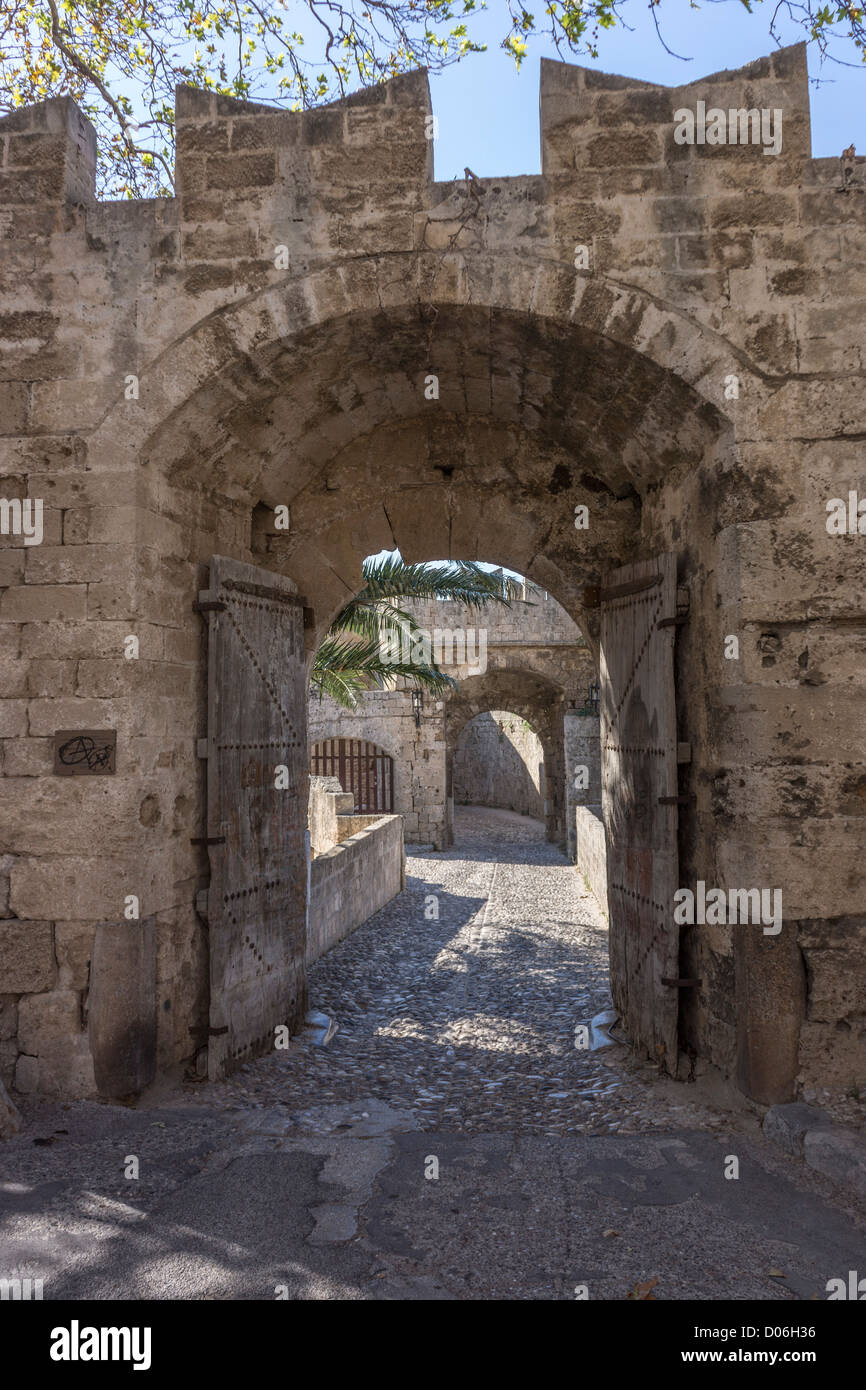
{"points": [[458, 1002], [560, 1172]]}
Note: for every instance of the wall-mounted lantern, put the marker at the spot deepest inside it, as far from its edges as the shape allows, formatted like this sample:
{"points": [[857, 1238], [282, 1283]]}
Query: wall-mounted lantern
{"points": [[417, 706], [592, 699]]}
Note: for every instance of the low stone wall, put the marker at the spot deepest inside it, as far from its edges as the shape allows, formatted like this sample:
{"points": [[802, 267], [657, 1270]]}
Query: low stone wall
{"points": [[348, 825], [354, 879], [329, 809], [591, 851]]}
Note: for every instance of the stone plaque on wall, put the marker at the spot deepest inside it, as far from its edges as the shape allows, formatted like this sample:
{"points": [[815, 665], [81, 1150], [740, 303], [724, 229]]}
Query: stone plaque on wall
{"points": [[85, 752]]}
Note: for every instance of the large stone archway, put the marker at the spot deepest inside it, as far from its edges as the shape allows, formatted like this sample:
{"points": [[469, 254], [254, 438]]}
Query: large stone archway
{"points": [[174, 373]]}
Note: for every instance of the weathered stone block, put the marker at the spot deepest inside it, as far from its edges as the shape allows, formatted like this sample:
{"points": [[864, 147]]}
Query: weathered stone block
{"points": [[8, 1016], [50, 678], [73, 944], [104, 680], [47, 716], [771, 1005], [241, 171], [76, 564], [85, 888], [37, 603], [27, 963], [122, 1005], [13, 718], [11, 567], [8, 1062], [208, 137], [787, 1125], [838, 1155], [46, 1020], [26, 1074], [220, 243], [13, 679], [52, 1035], [10, 1119], [279, 131]]}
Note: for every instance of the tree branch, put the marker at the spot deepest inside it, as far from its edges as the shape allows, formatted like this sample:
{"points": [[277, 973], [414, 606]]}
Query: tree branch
{"points": [[86, 71]]}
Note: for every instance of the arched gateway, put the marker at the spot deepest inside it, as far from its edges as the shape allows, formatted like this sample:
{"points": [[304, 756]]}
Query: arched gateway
{"points": [[314, 352]]}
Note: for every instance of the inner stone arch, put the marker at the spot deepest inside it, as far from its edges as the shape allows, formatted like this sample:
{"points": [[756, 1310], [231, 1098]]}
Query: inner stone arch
{"points": [[526, 695]]}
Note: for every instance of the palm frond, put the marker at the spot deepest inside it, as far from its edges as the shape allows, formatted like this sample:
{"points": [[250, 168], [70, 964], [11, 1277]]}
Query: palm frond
{"points": [[364, 645], [345, 668], [344, 686], [387, 576], [368, 617]]}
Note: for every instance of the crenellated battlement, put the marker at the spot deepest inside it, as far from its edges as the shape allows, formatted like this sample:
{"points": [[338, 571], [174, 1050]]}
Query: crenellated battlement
{"points": [[364, 159], [267, 197], [595, 122], [756, 246]]}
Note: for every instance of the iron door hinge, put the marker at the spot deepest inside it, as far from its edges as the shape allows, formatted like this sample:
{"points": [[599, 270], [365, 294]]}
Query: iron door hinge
{"points": [[678, 621]]}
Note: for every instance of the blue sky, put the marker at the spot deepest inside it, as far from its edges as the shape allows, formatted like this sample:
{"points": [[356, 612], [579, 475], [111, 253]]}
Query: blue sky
{"points": [[380, 555], [488, 113]]}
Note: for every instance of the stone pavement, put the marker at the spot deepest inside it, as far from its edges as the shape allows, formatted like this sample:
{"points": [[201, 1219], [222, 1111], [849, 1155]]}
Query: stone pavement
{"points": [[450, 1142]]}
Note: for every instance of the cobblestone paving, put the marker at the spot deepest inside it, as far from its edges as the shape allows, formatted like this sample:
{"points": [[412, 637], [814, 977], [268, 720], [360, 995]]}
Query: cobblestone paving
{"points": [[307, 1173], [466, 1019]]}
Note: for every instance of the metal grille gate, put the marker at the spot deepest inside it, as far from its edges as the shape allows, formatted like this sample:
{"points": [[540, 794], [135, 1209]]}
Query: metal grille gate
{"points": [[361, 768]]}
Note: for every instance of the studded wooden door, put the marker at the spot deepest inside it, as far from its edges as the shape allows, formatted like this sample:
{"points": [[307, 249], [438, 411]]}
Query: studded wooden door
{"points": [[639, 782], [257, 783]]}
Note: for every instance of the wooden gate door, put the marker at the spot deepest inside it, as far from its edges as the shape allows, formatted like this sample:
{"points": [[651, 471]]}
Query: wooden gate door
{"points": [[639, 781], [257, 783]]}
